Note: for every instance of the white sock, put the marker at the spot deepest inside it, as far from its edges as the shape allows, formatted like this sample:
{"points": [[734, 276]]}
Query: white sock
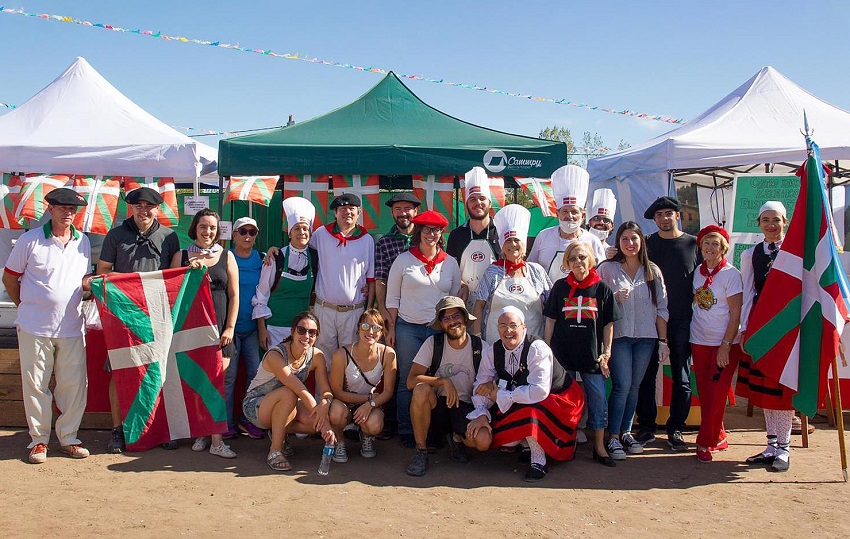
{"points": [[784, 419], [538, 456]]}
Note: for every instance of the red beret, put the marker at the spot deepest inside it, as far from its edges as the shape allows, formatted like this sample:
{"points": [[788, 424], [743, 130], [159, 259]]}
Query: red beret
{"points": [[709, 229], [430, 218]]}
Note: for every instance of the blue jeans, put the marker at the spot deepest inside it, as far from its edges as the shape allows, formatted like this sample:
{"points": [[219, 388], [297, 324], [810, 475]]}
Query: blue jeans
{"points": [[629, 359], [247, 347], [678, 338], [408, 340], [594, 399]]}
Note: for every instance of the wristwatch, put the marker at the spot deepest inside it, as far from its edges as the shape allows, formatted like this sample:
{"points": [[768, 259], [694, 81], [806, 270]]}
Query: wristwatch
{"points": [[371, 402]]}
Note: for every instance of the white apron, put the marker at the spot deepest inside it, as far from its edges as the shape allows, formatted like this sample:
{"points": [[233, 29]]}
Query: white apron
{"points": [[520, 293], [474, 261], [556, 269]]}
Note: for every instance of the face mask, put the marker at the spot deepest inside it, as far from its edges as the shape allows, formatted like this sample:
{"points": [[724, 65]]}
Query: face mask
{"points": [[569, 227], [601, 234]]}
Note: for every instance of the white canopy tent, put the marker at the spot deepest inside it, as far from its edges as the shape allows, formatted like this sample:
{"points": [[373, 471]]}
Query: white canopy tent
{"points": [[756, 128]]}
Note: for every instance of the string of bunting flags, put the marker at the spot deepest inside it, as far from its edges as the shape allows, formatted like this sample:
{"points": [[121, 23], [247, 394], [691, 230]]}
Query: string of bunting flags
{"points": [[303, 58]]}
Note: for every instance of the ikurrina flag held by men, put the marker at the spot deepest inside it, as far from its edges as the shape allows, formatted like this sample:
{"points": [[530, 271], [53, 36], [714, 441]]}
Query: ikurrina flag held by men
{"points": [[163, 347], [794, 329]]}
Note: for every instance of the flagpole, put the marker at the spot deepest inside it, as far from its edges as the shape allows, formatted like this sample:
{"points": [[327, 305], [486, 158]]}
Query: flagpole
{"points": [[839, 417]]}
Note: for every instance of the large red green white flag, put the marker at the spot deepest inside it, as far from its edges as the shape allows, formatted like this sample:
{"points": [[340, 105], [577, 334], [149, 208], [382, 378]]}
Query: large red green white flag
{"points": [[438, 192], [10, 189], [315, 189], [102, 196], [163, 347], [540, 191], [257, 189], [795, 327], [368, 189], [169, 213], [31, 203]]}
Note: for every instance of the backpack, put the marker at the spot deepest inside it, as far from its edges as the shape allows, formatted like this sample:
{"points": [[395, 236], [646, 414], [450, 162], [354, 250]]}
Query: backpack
{"points": [[437, 356]]}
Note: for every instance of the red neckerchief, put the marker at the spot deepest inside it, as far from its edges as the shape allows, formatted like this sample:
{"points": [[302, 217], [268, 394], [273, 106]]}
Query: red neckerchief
{"points": [[509, 266], [429, 264], [709, 275], [333, 230], [591, 279]]}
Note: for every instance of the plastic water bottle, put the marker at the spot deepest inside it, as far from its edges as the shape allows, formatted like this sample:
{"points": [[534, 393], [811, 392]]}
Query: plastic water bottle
{"points": [[327, 455]]}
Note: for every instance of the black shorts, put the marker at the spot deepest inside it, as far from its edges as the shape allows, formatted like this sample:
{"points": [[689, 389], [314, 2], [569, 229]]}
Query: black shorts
{"points": [[446, 420]]}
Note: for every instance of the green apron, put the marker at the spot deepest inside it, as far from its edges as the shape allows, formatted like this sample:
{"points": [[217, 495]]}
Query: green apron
{"points": [[292, 294]]}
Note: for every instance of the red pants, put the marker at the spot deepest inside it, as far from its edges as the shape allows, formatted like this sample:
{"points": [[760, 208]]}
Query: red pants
{"points": [[712, 394]]}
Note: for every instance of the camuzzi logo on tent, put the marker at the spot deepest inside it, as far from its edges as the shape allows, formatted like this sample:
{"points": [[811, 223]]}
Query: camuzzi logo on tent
{"points": [[496, 161]]}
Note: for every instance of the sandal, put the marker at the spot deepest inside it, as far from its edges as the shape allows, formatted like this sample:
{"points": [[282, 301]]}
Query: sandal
{"points": [[278, 462]]}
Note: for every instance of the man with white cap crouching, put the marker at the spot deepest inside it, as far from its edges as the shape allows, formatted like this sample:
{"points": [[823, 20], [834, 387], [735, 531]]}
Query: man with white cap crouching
{"points": [[537, 404]]}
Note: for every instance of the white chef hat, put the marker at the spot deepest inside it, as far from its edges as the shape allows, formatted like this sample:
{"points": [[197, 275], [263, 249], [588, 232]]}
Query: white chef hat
{"points": [[476, 182], [774, 205], [604, 204], [512, 221], [513, 310], [298, 210], [569, 185]]}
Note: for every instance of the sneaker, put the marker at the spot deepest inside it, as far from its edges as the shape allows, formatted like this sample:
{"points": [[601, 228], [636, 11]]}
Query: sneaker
{"points": [[536, 472], [457, 450], [249, 429], [200, 444], [223, 451], [632, 446], [288, 450], [341, 453], [75, 451], [169, 446], [418, 464], [38, 454], [367, 447], [704, 455], [116, 444], [677, 442], [645, 437], [615, 449]]}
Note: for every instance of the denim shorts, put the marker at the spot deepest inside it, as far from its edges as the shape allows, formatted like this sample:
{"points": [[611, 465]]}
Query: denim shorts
{"points": [[253, 398]]}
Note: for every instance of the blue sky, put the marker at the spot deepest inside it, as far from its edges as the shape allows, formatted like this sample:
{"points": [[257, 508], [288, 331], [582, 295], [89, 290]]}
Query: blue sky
{"points": [[671, 58]]}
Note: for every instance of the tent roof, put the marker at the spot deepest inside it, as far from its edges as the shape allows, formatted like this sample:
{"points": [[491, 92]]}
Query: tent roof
{"points": [[759, 122], [80, 124], [387, 131]]}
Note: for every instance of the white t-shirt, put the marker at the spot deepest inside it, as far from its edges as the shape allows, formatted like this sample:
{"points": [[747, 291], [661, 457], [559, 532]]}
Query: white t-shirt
{"points": [[344, 270], [415, 292], [708, 325], [549, 242], [456, 365], [51, 282]]}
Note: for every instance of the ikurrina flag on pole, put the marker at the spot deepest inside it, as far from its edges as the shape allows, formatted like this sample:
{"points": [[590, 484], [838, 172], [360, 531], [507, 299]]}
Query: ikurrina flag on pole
{"points": [[438, 193], [31, 203], [367, 189], [794, 330], [169, 213], [313, 188], [10, 189], [257, 189], [540, 191], [102, 197], [163, 347]]}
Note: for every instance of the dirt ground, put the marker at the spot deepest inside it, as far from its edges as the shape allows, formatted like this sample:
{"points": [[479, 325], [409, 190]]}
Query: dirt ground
{"points": [[658, 493]]}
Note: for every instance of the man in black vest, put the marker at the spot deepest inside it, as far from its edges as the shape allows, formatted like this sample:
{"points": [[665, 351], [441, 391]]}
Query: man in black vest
{"points": [[441, 380]]}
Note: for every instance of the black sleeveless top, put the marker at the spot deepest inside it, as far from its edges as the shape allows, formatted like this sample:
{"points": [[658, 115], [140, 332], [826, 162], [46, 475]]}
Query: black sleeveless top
{"points": [[762, 262], [520, 377]]}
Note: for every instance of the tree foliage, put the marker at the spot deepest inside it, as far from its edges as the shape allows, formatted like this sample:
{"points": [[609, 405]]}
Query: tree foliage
{"points": [[592, 144]]}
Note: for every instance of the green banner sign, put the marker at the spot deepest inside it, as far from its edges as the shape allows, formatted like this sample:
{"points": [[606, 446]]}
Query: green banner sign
{"points": [[753, 190]]}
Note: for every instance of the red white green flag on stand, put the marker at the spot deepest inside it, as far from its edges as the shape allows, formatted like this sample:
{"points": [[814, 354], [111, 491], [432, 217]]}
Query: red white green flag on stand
{"points": [[257, 189], [313, 188], [169, 213], [10, 189], [540, 191], [102, 197], [368, 189], [437, 192], [794, 329], [163, 347], [31, 203]]}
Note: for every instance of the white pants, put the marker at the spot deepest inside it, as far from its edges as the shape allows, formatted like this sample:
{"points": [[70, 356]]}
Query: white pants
{"points": [[66, 359], [336, 329]]}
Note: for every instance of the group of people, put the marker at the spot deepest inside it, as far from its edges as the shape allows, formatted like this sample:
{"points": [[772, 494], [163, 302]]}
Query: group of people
{"points": [[472, 344]]}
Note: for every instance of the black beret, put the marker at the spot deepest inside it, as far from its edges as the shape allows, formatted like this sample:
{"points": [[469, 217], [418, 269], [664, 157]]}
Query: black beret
{"points": [[65, 197], [143, 194], [403, 197], [661, 203], [345, 199]]}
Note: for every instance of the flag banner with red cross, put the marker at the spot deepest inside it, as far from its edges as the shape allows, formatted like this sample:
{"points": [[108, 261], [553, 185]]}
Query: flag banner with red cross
{"points": [[169, 213], [368, 189], [313, 188], [438, 193], [540, 191], [163, 347], [257, 189], [31, 203], [10, 190], [102, 196]]}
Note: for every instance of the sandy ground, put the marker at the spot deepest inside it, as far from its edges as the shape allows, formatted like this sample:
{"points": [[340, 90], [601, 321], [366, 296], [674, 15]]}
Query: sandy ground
{"points": [[655, 494]]}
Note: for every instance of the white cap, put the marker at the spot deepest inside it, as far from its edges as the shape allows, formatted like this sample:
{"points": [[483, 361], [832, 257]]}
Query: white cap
{"points": [[513, 310], [512, 221], [476, 182], [298, 210], [242, 221], [774, 205], [604, 204], [569, 185]]}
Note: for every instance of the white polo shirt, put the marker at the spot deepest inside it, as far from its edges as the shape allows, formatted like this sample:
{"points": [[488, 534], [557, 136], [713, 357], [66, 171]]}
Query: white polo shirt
{"points": [[345, 269], [51, 282]]}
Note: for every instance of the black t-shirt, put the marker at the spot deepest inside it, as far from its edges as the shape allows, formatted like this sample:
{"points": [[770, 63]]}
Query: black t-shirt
{"points": [[577, 338], [460, 237], [677, 258]]}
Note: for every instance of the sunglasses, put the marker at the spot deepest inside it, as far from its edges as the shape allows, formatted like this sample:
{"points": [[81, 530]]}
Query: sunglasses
{"points": [[305, 331], [374, 328], [247, 231], [574, 259]]}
